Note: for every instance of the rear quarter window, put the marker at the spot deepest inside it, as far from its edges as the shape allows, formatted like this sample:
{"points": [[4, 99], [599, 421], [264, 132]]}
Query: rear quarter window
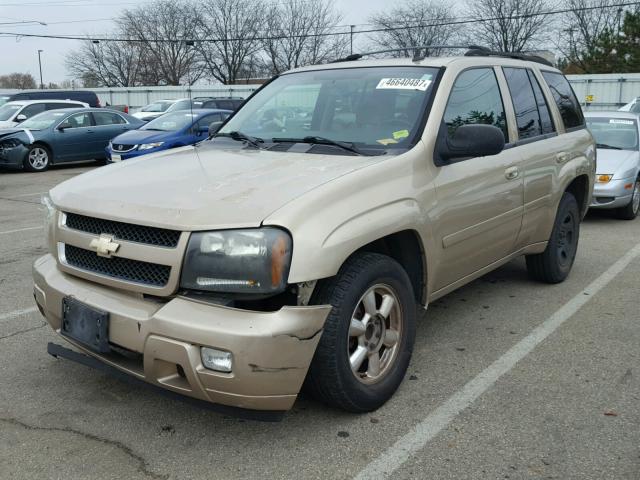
{"points": [[565, 99]]}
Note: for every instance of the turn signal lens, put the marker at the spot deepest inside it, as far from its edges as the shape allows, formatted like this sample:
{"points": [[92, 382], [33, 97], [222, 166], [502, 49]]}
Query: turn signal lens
{"points": [[604, 178]]}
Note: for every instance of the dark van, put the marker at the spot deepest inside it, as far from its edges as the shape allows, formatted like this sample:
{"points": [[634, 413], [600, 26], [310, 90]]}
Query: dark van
{"points": [[84, 96]]}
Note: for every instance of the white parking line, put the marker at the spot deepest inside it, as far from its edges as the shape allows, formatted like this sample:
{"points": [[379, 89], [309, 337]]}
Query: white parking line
{"points": [[17, 313], [410, 443], [20, 230]]}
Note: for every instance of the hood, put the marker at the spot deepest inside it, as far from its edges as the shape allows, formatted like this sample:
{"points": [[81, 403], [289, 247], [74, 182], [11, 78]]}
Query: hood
{"points": [[8, 124], [617, 162], [147, 115], [200, 188], [136, 137], [14, 132]]}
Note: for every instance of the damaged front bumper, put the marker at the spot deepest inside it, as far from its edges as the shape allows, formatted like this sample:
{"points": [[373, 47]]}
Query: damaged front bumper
{"points": [[159, 342]]}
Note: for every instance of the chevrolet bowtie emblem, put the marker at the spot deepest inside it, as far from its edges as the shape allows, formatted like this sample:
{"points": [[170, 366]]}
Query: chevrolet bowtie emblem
{"points": [[104, 246]]}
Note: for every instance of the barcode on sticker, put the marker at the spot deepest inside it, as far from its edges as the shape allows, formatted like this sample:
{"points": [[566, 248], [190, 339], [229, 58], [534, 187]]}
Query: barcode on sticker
{"points": [[404, 84]]}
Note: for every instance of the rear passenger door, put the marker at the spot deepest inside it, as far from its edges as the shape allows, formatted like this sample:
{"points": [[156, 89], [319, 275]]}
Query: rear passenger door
{"points": [[479, 209], [538, 145]]}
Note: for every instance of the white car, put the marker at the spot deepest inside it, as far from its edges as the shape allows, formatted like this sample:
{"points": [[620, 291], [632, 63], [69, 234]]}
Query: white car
{"points": [[14, 113], [154, 110], [618, 162]]}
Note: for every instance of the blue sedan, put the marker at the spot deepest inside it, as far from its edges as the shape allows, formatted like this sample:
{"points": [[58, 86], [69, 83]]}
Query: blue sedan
{"points": [[59, 136], [171, 130]]}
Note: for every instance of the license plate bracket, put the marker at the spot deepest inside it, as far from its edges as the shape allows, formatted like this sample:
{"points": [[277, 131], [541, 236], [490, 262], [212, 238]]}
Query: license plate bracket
{"points": [[86, 325]]}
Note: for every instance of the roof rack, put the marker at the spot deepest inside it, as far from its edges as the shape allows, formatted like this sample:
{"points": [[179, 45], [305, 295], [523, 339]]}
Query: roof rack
{"points": [[416, 57], [472, 51]]}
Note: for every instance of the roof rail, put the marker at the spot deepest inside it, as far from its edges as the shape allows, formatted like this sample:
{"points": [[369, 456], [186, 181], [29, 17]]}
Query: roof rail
{"points": [[416, 57], [485, 52]]}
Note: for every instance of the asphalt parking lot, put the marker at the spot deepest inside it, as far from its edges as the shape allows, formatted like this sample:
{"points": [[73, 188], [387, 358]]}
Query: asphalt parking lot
{"points": [[509, 379]]}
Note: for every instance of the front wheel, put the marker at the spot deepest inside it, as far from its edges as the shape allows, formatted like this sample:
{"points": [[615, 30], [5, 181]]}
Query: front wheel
{"points": [[630, 211], [38, 159], [368, 337], [554, 264]]}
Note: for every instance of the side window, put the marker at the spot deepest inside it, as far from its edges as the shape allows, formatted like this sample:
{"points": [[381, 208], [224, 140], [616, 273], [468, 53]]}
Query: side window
{"points": [[107, 118], [79, 120], [545, 116], [31, 110], [524, 103], [57, 106], [565, 99], [475, 98]]}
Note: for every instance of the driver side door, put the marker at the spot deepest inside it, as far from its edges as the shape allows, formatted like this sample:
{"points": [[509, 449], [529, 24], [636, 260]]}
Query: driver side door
{"points": [[74, 138]]}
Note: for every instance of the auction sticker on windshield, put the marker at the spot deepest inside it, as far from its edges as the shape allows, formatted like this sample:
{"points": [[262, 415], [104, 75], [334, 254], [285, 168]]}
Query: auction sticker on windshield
{"points": [[404, 84]]}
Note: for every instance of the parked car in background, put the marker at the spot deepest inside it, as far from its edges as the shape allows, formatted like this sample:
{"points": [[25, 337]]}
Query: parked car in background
{"points": [[13, 113], [231, 103], [175, 129], [154, 110], [60, 136], [85, 96], [4, 97], [185, 104], [618, 162]]}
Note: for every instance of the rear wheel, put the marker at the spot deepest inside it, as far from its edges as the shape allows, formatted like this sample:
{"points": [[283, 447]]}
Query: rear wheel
{"points": [[554, 264], [630, 211], [368, 337], [38, 159]]}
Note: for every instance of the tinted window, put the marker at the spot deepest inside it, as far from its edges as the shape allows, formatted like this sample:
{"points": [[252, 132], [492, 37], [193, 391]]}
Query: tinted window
{"points": [[543, 109], [56, 106], [79, 120], [475, 98], [31, 110], [524, 102], [107, 118], [565, 99]]}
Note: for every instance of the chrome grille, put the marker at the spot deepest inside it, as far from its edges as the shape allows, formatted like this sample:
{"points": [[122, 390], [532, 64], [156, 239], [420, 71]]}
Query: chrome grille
{"points": [[160, 237], [120, 268]]}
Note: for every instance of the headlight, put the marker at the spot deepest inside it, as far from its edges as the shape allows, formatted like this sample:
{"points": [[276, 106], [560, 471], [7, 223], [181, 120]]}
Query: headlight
{"points": [[49, 221], [238, 261], [149, 146], [9, 144], [603, 178]]}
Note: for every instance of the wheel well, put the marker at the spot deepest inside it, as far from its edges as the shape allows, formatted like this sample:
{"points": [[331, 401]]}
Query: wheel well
{"points": [[579, 187], [406, 248]]}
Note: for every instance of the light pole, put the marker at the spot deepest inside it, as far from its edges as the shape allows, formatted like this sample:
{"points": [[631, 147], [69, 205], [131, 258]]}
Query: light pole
{"points": [[40, 65]]}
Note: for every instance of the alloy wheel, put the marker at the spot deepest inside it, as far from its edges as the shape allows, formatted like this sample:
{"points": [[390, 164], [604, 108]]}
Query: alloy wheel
{"points": [[38, 158]]}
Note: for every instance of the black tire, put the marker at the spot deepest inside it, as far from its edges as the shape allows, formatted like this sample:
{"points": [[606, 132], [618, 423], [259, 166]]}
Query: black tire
{"points": [[38, 158], [630, 212], [554, 264], [330, 378]]}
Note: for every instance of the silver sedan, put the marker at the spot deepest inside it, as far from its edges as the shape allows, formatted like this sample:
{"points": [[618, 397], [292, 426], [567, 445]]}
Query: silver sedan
{"points": [[618, 162]]}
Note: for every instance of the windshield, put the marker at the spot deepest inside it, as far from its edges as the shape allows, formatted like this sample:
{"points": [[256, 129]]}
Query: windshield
{"points": [[157, 107], [615, 133], [171, 122], [43, 120], [8, 111], [370, 107]]}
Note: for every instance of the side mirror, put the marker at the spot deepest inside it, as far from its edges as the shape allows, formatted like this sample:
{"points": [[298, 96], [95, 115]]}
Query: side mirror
{"points": [[62, 126], [21, 118], [214, 127], [471, 140]]}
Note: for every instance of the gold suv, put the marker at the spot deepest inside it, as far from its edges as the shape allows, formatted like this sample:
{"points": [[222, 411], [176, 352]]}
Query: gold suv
{"points": [[294, 247]]}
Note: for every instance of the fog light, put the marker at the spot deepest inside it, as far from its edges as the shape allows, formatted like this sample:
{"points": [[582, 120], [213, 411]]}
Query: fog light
{"points": [[217, 360]]}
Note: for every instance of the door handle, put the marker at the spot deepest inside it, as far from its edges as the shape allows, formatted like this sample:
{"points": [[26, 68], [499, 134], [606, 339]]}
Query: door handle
{"points": [[512, 173], [562, 157]]}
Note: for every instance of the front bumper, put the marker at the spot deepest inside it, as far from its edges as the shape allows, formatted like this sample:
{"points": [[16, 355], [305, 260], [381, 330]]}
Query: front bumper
{"points": [[130, 154], [13, 157], [159, 342], [612, 194]]}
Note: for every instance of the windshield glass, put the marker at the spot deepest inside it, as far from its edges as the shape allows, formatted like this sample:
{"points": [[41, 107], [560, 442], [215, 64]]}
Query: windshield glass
{"points": [[8, 111], [43, 120], [370, 107], [157, 107], [616, 133], [171, 122]]}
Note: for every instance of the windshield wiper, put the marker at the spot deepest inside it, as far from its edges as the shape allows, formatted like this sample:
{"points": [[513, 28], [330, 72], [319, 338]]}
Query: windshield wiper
{"points": [[241, 137], [604, 145], [321, 141]]}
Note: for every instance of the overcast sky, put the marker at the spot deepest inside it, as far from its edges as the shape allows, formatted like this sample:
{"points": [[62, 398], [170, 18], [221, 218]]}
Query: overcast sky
{"points": [[81, 17]]}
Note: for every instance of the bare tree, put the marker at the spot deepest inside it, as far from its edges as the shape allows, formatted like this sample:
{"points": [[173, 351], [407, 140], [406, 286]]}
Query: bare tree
{"points": [[508, 25], [21, 81], [112, 64], [412, 24], [164, 31], [299, 34], [583, 25], [228, 43]]}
